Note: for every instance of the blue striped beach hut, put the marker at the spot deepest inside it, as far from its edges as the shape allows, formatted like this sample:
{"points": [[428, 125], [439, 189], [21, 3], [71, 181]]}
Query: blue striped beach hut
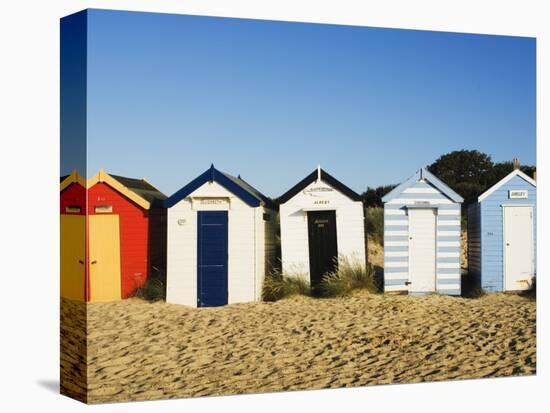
{"points": [[502, 234], [422, 242]]}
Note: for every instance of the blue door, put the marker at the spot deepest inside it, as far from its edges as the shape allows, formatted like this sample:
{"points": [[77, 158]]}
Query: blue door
{"points": [[212, 258]]}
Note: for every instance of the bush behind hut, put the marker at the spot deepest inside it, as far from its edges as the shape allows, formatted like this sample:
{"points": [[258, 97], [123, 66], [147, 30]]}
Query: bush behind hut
{"points": [[375, 224]]}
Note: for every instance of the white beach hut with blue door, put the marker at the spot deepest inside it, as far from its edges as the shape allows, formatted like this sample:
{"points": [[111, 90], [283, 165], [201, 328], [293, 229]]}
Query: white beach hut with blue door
{"points": [[220, 241], [502, 234], [422, 237], [321, 220]]}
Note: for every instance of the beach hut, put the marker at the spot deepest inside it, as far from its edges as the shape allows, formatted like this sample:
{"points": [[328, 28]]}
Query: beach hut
{"points": [[502, 234], [321, 220], [124, 235], [422, 237], [72, 198], [221, 241], [72, 202]]}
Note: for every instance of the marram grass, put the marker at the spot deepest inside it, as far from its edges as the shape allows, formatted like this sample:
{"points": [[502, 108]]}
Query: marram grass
{"points": [[351, 275], [278, 285], [153, 290]]}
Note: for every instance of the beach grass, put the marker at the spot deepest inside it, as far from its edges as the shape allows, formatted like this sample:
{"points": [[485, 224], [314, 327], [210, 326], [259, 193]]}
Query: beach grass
{"points": [[350, 275], [278, 285]]}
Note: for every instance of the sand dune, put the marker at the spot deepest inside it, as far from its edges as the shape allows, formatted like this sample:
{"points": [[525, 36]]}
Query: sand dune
{"points": [[138, 350]]}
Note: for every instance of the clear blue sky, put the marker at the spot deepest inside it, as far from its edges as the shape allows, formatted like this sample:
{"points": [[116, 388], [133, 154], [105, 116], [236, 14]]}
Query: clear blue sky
{"points": [[170, 94]]}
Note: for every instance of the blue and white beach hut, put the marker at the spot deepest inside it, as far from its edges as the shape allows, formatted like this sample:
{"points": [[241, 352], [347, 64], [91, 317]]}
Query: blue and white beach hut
{"points": [[422, 242], [502, 234]]}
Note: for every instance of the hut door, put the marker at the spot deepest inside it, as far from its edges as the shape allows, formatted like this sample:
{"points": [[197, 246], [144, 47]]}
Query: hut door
{"points": [[323, 248], [212, 258], [104, 249], [73, 253], [518, 247], [422, 239]]}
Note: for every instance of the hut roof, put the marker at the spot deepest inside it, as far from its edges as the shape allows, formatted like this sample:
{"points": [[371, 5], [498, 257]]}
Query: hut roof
{"points": [[236, 185], [321, 174], [137, 190], [515, 172], [141, 187], [72, 178], [423, 173]]}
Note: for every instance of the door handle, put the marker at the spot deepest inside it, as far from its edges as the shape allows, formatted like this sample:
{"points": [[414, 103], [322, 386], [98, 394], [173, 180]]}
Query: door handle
{"points": [[408, 283], [81, 262], [94, 262]]}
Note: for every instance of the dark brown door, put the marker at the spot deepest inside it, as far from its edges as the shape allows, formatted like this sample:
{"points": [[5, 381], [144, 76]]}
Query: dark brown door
{"points": [[323, 248]]}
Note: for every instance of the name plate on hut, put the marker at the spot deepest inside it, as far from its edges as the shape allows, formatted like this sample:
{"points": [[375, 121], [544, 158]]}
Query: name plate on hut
{"points": [[213, 201], [210, 203], [517, 193]]}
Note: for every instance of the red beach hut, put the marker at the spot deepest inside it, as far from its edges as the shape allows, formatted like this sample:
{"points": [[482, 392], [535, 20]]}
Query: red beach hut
{"points": [[125, 239]]}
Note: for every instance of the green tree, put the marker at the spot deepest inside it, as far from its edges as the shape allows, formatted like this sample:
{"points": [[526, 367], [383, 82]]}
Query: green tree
{"points": [[372, 197], [470, 173], [529, 170], [467, 172], [500, 170]]}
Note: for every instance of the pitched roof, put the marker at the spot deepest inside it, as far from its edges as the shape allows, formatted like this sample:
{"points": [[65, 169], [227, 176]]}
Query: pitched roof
{"points": [[141, 187], [73, 178], [312, 177], [137, 190], [245, 185], [423, 173], [236, 185], [515, 172]]}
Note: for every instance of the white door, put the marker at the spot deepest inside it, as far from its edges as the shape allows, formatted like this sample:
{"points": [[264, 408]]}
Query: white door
{"points": [[518, 248], [422, 256]]}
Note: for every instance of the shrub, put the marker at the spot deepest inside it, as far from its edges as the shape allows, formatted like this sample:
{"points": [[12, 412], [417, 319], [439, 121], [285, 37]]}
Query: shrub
{"points": [[152, 290], [350, 275], [375, 224], [278, 285]]}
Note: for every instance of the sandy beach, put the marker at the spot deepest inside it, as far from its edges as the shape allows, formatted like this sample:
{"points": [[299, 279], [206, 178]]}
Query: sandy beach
{"points": [[141, 351]]}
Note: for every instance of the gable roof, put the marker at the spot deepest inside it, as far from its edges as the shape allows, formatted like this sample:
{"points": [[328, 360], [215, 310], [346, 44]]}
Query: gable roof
{"points": [[141, 187], [423, 173], [323, 176], [73, 178], [236, 185], [137, 190], [514, 173]]}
